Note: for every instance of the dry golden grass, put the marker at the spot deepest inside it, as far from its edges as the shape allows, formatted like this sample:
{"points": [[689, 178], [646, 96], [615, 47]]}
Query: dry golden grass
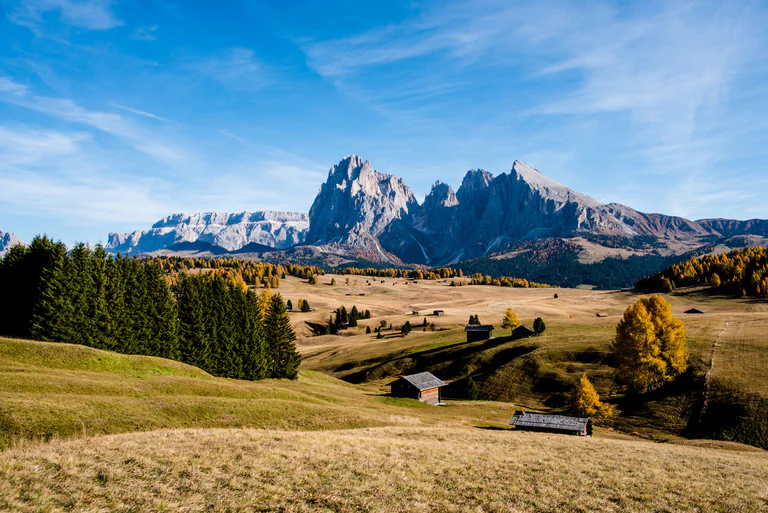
{"points": [[377, 470]]}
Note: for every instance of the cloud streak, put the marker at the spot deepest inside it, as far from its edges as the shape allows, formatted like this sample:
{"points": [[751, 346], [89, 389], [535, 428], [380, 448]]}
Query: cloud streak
{"points": [[84, 14], [111, 123]]}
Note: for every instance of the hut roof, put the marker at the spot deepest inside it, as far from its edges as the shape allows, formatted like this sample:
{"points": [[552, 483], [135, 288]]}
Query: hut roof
{"points": [[601, 314], [523, 330], [478, 327], [545, 421], [424, 381], [694, 311]]}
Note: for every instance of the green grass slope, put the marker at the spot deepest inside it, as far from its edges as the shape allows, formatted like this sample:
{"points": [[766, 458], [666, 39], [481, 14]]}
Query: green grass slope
{"points": [[51, 390]]}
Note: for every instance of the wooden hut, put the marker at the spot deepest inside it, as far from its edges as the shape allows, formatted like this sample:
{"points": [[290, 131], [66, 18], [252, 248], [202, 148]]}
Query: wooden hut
{"points": [[694, 311], [415, 312], [602, 314], [439, 312], [478, 332], [422, 386], [522, 331], [580, 426]]}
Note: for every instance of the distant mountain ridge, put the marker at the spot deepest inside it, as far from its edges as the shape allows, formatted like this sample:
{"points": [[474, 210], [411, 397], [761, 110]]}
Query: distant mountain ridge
{"points": [[359, 209], [365, 214], [279, 230], [7, 241]]}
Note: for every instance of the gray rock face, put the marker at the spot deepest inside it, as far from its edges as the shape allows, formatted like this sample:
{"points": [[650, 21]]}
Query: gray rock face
{"points": [[231, 231], [7, 241], [355, 206], [363, 212]]}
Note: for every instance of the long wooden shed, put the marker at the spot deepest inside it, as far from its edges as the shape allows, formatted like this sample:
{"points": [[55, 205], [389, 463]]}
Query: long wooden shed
{"points": [[581, 426], [478, 332], [423, 386]]}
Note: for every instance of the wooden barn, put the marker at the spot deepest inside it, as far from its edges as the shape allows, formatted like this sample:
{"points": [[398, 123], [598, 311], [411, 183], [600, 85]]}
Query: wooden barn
{"points": [[552, 423], [478, 332], [422, 386], [601, 314], [694, 311], [522, 331], [439, 312]]}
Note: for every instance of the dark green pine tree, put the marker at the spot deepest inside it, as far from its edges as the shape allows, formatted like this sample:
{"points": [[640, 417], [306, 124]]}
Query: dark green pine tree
{"points": [[194, 343], [45, 314], [162, 315], [252, 342], [280, 339], [353, 315], [24, 274]]}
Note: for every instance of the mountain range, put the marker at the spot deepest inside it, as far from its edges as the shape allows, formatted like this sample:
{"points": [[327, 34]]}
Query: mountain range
{"points": [[362, 213]]}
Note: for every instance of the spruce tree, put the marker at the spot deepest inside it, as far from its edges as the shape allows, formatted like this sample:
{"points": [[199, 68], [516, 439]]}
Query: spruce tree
{"points": [[280, 339]]}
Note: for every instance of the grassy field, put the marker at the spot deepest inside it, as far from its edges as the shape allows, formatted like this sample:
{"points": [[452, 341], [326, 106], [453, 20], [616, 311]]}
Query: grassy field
{"points": [[50, 390], [539, 372], [89, 430], [391, 469]]}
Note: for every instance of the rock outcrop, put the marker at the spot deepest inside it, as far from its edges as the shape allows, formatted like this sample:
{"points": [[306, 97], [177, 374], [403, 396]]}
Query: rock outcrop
{"points": [[232, 232], [7, 241], [354, 208]]}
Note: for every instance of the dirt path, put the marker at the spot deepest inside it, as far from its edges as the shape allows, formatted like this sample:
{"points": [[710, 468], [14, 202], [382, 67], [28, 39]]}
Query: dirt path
{"points": [[708, 377]]}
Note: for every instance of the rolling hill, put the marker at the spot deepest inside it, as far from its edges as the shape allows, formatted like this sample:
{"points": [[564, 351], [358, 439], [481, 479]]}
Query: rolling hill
{"points": [[316, 444]]}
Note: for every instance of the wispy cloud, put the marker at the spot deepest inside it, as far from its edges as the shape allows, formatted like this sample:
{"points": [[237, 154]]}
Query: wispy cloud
{"points": [[20, 145], [140, 112], [145, 33], [111, 123], [84, 14], [237, 68]]}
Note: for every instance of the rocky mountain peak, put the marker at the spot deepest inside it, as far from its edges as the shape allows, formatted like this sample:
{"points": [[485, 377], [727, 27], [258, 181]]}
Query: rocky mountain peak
{"points": [[356, 204], [441, 194], [547, 187], [7, 241]]}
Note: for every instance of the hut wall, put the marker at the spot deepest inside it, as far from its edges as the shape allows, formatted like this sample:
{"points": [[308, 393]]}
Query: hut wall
{"points": [[431, 396]]}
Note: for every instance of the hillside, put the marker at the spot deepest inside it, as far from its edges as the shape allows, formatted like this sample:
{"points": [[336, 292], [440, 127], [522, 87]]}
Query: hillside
{"points": [[51, 390], [393, 469], [541, 372]]}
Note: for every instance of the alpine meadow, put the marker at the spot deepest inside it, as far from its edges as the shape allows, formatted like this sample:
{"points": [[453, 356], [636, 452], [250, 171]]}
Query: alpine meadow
{"points": [[209, 302]]}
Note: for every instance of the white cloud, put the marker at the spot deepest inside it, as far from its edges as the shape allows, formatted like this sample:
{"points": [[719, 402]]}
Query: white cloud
{"points": [[85, 14], [22, 146], [114, 124]]}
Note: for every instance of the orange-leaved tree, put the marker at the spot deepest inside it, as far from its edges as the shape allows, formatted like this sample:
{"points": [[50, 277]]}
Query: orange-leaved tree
{"points": [[650, 347], [587, 401]]}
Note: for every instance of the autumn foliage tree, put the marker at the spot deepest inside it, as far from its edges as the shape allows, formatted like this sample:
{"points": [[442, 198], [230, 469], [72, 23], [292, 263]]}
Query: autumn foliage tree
{"points": [[510, 320], [587, 401], [650, 347]]}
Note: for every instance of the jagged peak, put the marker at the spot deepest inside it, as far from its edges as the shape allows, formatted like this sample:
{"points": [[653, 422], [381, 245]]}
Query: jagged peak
{"points": [[537, 180]]}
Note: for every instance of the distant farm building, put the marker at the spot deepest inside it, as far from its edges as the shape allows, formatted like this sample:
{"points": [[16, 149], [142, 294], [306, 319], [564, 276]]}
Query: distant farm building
{"points": [[415, 312], [552, 423], [422, 386], [522, 331], [602, 315], [439, 312], [694, 311], [477, 332]]}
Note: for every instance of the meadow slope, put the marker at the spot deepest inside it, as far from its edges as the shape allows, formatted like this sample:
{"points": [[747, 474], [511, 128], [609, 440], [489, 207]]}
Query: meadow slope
{"points": [[392, 469]]}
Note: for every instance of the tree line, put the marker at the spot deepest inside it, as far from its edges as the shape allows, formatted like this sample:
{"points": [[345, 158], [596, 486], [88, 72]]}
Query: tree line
{"points": [[743, 272], [256, 274], [133, 306]]}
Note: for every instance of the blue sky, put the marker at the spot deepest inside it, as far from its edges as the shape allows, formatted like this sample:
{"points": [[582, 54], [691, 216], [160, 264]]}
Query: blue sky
{"points": [[116, 113]]}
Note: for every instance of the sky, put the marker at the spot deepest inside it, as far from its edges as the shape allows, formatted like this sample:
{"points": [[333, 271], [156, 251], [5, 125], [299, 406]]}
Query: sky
{"points": [[114, 114]]}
